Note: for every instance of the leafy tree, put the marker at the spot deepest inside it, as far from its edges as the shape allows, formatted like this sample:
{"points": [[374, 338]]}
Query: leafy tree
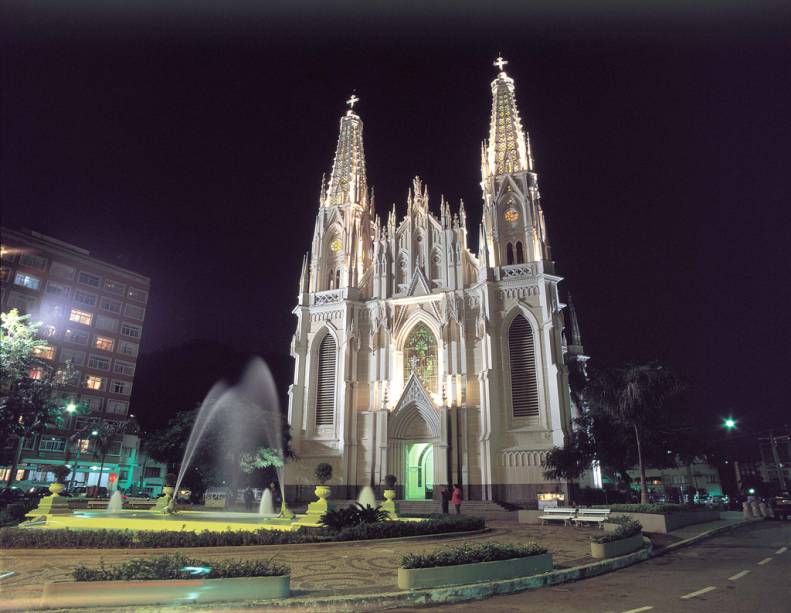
{"points": [[32, 389], [571, 461], [106, 433]]}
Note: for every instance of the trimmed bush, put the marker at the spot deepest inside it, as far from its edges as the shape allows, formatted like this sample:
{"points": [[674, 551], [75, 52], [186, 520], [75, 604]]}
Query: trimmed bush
{"points": [[626, 527], [179, 566], [323, 473], [390, 481], [470, 554], [443, 524], [660, 508], [16, 538], [338, 519]]}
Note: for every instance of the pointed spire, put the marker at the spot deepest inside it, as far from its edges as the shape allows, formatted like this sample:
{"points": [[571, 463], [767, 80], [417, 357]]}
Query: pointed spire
{"points": [[462, 214], [576, 335], [507, 148], [348, 183], [303, 278]]}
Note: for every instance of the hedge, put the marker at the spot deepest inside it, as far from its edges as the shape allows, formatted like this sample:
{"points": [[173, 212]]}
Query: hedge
{"points": [[179, 566], [11, 538], [661, 508], [470, 554]]}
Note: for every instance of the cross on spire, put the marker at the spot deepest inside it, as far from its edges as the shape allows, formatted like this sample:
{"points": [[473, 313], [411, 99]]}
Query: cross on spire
{"points": [[500, 62], [352, 101]]}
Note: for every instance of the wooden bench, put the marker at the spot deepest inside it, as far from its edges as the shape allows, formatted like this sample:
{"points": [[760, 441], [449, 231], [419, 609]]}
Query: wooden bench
{"points": [[592, 516], [564, 514]]}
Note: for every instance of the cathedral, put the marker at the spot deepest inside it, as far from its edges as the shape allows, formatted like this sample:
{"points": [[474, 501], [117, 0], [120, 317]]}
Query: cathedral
{"points": [[415, 356]]}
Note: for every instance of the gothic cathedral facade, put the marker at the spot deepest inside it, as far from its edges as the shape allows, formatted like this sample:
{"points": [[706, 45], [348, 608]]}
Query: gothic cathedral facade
{"points": [[415, 356]]}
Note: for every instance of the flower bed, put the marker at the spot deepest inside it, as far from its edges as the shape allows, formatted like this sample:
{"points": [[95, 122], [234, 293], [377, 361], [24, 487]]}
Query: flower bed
{"points": [[169, 578], [16, 538], [663, 518], [472, 564], [626, 538]]}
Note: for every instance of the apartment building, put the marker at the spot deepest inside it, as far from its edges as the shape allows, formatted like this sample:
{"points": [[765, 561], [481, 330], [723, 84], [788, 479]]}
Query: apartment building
{"points": [[91, 313]]}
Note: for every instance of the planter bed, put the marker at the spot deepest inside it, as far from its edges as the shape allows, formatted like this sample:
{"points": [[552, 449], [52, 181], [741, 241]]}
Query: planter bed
{"points": [[663, 523], [458, 574], [137, 593], [614, 549]]}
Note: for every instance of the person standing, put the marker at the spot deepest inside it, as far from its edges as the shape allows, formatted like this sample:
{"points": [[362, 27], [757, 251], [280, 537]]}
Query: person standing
{"points": [[456, 498], [248, 499], [445, 497]]}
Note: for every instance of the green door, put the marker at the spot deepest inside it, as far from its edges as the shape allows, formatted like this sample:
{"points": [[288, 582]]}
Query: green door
{"points": [[419, 471]]}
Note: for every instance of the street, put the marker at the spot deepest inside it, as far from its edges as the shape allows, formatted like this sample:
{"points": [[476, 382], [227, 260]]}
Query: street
{"points": [[744, 571]]}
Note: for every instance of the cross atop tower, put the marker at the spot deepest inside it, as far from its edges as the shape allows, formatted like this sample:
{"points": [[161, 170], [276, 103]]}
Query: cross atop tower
{"points": [[352, 101], [500, 63]]}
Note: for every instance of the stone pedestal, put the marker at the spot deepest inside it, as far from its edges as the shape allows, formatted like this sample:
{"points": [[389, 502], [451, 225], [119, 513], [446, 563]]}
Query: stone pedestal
{"points": [[319, 507], [389, 504], [54, 504], [163, 502]]}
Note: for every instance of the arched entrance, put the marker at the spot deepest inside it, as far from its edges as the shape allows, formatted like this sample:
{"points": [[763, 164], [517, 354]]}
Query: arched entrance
{"points": [[419, 481]]}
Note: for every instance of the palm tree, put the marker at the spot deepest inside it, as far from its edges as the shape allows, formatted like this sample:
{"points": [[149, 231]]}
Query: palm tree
{"points": [[633, 396]]}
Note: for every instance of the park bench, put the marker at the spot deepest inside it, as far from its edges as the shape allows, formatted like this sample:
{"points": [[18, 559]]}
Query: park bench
{"points": [[563, 514], [591, 516]]}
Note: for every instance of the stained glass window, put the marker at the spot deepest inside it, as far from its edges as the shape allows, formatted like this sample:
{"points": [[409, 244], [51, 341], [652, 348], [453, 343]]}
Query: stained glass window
{"points": [[420, 356]]}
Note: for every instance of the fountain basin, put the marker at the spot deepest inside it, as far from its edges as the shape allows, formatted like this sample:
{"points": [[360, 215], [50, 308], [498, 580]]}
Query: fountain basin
{"points": [[197, 521]]}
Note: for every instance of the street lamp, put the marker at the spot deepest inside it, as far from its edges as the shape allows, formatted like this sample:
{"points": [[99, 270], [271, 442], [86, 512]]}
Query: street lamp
{"points": [[729, 423]]}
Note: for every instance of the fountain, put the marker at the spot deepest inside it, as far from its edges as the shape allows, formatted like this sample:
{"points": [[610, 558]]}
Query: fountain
{"points": [[266, 508], [367, 497], [231, 420]]}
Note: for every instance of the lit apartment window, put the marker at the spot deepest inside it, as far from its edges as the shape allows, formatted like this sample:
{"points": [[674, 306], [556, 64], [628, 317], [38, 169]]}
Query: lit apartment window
{"points": [[47, 353], [84, 445], [106, 323], [95, 383], [127, 348], [130, 330], [81, 317], [78, 337], [64, 271], [85, 298], [104, 343], [110, 306], [98, 363], [121, 387], [124, 368], [86, 278], [33, 261], [26, 280], [113, 287], [130, 310], [52, 443], [138, 295], [77, 357], [57, 289], [36, 373], [119, 407]]}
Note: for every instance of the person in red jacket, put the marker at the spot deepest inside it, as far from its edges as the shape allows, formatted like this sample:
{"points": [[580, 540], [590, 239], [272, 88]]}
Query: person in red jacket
{"points": [[455, 498]]}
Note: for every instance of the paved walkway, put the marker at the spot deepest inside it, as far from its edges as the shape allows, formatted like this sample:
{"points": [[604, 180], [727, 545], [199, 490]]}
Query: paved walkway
{"points": [[317, 570]]}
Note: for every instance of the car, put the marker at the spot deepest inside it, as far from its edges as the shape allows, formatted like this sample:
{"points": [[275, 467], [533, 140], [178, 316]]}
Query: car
{"points": [[11, 494], [38, 491], [781, 505]]}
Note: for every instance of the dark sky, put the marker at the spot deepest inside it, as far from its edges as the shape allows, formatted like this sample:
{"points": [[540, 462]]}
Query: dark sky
{"points": [[188, 142]]}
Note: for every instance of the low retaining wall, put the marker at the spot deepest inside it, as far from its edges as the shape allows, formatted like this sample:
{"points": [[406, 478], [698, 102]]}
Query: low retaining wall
{"points": [[458, 574], [664, 523], [613, 549]]}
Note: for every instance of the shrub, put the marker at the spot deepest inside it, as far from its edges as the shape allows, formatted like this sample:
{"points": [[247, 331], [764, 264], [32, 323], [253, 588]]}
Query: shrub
{"points": [[441, 524], [60, 471], [662, 508], [323, 473], [179, 566], [469, 554], [626, 527], [390, 481], [352, 515]]}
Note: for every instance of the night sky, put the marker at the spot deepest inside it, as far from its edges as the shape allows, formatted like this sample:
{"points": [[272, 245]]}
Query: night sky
{"points": [[188, 143]]}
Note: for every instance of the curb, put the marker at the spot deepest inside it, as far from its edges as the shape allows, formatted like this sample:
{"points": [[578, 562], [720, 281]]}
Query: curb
{"points": [[702, 536]]}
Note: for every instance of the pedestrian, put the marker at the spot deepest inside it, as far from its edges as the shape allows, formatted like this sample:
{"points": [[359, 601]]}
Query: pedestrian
{"points": [[248, 499], [456, 498], [445, 497], [275, 493]]}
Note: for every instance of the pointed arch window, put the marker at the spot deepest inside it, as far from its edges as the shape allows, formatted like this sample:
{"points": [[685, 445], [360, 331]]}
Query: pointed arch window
{"points": [[338, 278], [509, 250], [420, 356], [520, 253], [524, 384], [325, 388]]}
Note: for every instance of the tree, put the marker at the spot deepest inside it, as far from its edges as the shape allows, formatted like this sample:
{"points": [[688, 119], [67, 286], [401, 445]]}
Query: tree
{"points": [[634, 397], [32, 389], [575, 458], [106, 433]]}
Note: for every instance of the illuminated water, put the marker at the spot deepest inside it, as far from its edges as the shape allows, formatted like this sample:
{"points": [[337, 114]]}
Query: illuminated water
{"points": [[116, 503], [367, 497], [267, 507]]}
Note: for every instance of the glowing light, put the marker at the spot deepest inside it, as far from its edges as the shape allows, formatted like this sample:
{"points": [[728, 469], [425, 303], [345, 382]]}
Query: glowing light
{"points": [[71, 407], [729, 423], [94, 433], [751, 490], [196, 570]]}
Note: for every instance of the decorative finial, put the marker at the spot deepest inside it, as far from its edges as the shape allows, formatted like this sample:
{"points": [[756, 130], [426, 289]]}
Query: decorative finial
{"points": [[352, 101], [500, 63]]}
